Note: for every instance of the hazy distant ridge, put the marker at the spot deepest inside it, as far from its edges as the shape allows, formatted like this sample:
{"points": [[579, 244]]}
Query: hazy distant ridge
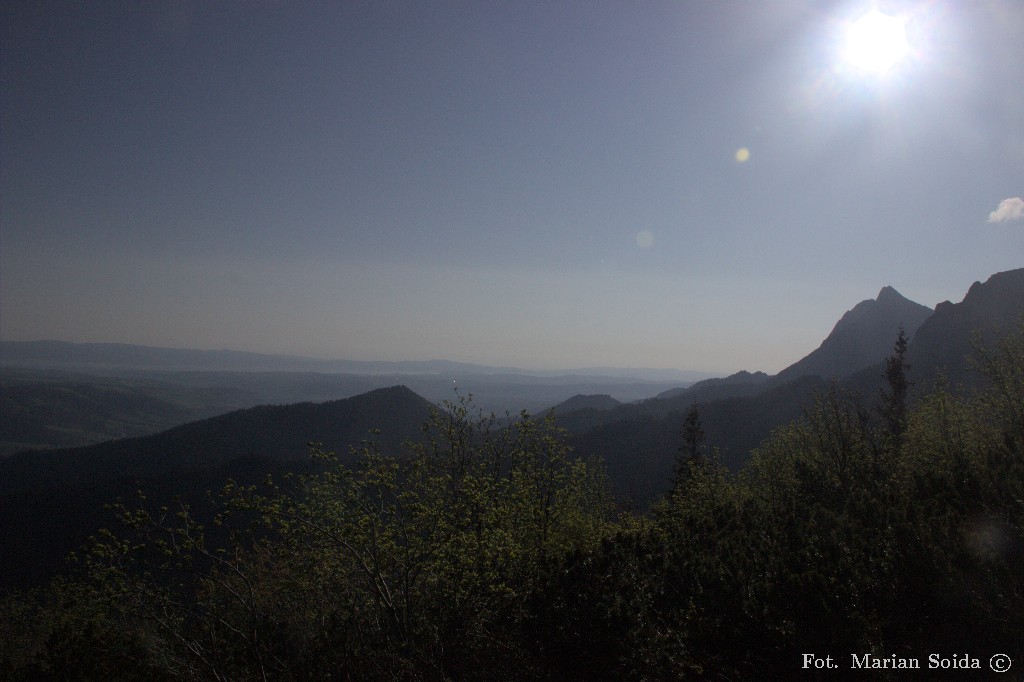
{"points": [[120, 356]]}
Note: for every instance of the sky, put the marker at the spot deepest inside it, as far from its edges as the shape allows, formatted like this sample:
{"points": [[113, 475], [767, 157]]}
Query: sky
{"points": [[688, 184]]}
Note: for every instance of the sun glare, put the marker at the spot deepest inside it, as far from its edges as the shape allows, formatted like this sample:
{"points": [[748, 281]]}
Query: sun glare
{"points": [[876, 42]]}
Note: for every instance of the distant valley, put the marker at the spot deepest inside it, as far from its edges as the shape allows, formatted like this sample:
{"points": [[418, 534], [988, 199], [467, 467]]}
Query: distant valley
{"points": [[51, 500], [55, 394]]}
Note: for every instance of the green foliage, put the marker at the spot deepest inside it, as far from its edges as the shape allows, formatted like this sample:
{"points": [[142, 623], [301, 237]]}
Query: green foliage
{"points": [[1002, 365], [419, 568], [840, 536], [489, 552]]}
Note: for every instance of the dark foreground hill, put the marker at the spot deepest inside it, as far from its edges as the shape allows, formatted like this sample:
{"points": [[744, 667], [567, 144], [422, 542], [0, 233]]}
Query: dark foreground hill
{"points": [[587, 402], [50, 502]]}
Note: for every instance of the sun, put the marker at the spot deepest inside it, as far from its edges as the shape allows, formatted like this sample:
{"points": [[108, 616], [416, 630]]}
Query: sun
{"points": [[876, 42]]}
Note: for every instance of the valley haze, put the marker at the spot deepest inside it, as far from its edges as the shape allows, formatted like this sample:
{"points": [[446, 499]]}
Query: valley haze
{"points": [[107, 356], [59, 394]]}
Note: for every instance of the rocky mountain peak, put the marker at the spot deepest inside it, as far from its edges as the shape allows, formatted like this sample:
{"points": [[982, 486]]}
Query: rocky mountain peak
{"points": [[888, 295], [863, 336]]}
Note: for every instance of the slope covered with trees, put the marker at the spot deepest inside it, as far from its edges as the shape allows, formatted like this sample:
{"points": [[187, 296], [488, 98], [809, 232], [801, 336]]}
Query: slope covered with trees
{"points": [[869, 526], [51, 501]]}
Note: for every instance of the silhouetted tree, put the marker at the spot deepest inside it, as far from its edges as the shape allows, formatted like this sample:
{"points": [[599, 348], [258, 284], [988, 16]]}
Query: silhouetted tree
{"points": [[894, 400], [691, 451]]}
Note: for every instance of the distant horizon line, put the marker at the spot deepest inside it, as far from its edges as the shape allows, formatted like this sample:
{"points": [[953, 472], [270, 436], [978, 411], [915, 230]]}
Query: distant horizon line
{"points": [[435, 365]]}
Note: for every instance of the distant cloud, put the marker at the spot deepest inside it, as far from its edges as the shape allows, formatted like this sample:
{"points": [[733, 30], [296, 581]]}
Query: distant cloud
{"points": [[1009, 209]]}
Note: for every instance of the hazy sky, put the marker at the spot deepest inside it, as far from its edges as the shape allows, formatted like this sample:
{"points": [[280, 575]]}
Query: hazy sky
{"points": [[702, 185]]}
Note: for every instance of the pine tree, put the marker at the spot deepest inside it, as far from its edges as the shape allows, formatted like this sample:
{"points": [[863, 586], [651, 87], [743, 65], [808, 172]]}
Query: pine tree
{"points": [[691, 452], [894, 400]]}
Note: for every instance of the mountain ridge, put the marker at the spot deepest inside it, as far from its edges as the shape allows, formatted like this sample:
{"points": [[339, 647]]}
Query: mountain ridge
{"points": [[272, 432], [52, 501], [639, 441], [863, 336], [946, 340]]}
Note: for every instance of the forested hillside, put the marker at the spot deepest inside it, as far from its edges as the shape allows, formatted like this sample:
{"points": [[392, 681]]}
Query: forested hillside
{"points": [[868, 527], [51, 501]]}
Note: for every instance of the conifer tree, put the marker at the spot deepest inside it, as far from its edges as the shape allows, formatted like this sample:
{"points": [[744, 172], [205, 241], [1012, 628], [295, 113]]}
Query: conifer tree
{"points": [[894, 400], [691, 451]]}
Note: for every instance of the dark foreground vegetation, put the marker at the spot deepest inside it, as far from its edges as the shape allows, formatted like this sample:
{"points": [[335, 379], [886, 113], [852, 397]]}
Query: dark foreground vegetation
{"points": [[492, 552]]}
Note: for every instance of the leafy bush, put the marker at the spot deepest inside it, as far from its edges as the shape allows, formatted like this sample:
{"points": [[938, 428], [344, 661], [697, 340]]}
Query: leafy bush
{"points": [[491, 553]]}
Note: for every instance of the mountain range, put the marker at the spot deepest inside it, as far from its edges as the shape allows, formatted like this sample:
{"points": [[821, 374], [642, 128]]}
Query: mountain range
{"points": [[639, 441], [51, 501], [56, 395]]}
